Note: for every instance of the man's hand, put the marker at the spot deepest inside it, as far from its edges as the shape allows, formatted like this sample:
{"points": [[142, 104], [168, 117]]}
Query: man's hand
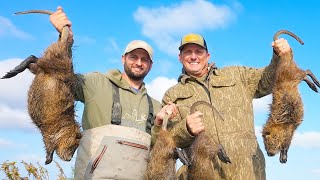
{"points": [[281, 46], [59, 19], [170, 107], [194, 123]]}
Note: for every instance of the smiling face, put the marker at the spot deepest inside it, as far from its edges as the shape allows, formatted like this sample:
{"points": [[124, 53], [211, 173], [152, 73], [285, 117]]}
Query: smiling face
{"points": [[194, 59], [137, 64]]}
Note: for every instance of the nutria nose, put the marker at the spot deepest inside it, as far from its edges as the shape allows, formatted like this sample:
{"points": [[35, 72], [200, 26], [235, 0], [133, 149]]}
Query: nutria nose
{"points": [[270, 154]]}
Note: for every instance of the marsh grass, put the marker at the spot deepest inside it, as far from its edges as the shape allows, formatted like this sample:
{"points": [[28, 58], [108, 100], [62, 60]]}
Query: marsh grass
{"points": [[37, 172]]}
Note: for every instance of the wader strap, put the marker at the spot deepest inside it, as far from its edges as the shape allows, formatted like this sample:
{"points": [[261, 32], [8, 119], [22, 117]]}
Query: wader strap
{"points": [[150, 120], [116, 106], [117, 112]]}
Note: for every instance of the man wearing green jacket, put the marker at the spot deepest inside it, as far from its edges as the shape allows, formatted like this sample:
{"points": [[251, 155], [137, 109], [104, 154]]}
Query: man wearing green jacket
{"points": [[118, 115], [231, 91]]}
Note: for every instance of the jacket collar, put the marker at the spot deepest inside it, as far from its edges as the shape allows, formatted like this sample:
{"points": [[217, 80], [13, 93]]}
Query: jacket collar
{"points": [[184, 77], [115, 76]]}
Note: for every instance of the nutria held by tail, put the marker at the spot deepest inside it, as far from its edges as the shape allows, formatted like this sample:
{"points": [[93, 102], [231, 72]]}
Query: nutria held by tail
{"points": [[162, 160], [51, 98], [204, 150], [287, 106]]}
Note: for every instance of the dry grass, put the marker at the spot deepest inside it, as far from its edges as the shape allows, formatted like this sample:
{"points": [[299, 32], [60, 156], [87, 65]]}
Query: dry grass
{"points": [[34, 172]]}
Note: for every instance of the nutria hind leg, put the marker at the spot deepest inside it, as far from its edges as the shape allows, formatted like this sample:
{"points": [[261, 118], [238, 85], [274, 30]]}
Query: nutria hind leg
{"points": [[222, 155], [283, 155], [313, 77], [182, 155], [21, 67], [310, 84]]}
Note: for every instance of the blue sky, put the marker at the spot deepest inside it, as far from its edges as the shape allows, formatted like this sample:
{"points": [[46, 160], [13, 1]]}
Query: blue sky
{"points": [[237, 33]]}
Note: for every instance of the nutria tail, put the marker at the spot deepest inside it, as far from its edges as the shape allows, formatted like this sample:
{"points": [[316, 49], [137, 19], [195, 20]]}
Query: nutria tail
{"points": [[275, 37], [30, 62], [35, 11], [65, 30]]}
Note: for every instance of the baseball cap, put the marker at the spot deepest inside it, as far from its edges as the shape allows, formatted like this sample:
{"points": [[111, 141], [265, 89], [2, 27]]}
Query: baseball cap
{"points": [[193, 39], [139, 44]]}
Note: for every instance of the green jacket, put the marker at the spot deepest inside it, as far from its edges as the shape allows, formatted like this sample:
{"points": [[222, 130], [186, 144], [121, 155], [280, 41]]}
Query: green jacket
{"points": [[231, 90], [96, 94]]}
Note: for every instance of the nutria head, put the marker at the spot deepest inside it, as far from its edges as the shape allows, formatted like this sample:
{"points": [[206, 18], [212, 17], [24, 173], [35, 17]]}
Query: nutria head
{"points": [[68, 142], [277, 137]]}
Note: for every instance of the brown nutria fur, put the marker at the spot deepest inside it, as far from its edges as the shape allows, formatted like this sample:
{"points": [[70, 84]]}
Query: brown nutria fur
{"points": [[204, 150], [203, 154], [287, 106], [51, 103], [51, 99], [162, 160]]}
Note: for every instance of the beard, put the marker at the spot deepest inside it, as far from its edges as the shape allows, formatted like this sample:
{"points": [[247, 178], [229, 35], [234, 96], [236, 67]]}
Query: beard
{"points": [[133, 75]]}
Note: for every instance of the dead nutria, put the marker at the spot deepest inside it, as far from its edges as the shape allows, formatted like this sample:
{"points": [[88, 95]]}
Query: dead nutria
{"points": [[162, 160], [287, 106], [50, 97], [204, 150]]}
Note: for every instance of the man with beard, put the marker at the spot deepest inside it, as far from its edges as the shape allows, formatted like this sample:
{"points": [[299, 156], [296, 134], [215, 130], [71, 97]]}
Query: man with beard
{"points": [[118, 115]]}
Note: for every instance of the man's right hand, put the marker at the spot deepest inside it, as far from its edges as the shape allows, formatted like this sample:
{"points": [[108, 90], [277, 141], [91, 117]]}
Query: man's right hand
{"points": [[194, 123], [59, 19]]}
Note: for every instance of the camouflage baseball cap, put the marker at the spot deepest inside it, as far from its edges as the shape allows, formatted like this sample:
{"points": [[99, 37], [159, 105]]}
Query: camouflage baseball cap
{"points": [[193, 39], [139, 44]]}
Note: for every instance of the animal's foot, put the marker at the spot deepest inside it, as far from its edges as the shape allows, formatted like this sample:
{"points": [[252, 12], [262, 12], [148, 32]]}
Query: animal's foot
{"points": [[223, 155], [49, 157], [183, 156], [21, 67], [314, 79], [283, 155]]}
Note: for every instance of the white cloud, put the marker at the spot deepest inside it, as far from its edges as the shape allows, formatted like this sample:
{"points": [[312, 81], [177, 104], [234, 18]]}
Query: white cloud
{"points": [[315, 171], [306, 139], [14, 91], [164, 25], [7, 28], [13, 97], [9, 144], [11, 118], [158, 86], [261, 105]]}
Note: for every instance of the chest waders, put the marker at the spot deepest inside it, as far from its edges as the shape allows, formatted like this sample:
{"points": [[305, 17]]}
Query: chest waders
{"points": [[113, 151]]}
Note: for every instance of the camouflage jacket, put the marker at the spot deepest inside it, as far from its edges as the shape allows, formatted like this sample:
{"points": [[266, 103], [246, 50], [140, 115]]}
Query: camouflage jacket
{"points": [[230, 89], [96, 94]]}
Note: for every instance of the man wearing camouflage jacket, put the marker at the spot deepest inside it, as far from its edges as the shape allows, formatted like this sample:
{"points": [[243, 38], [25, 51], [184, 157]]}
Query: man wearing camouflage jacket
{"points": [[231, 90]]}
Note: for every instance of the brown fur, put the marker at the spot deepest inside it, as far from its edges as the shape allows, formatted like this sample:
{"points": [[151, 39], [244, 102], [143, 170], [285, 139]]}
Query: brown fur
{"points": [[203, 155], [204, 150], [161, 164], [51, 98], [51, 102], [287, 106]]}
